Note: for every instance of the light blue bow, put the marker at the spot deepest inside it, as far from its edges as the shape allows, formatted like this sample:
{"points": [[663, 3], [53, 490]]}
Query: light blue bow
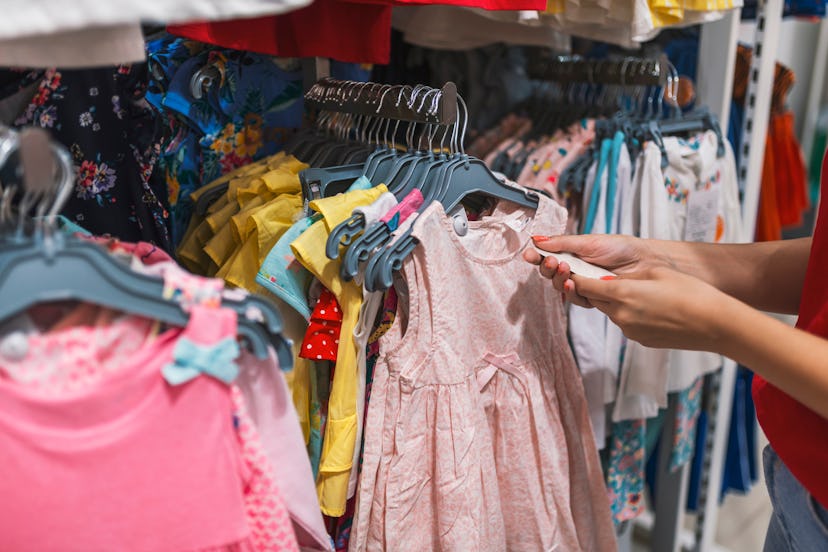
{"points": [[192, 359]]}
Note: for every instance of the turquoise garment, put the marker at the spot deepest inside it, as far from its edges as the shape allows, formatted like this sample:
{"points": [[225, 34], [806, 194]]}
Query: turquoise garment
{"points": [[361, 183], [191, 360], [68, 227], [612, 180], [282, 275], [592, 210], [315, 437]]}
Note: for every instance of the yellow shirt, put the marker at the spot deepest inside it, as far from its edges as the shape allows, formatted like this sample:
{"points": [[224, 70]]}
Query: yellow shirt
{"points": [[191, 249], [244, 183], [262, 230], [340, 428], [187, 250]]}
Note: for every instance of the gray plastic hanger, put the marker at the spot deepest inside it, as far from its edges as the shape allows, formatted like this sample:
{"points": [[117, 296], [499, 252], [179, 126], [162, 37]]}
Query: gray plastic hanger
{"points": [[85, 271], [469, 176]]}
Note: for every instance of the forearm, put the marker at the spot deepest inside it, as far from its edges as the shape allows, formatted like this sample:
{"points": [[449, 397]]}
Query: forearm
{"points": [[791, 359], [767, 276]]}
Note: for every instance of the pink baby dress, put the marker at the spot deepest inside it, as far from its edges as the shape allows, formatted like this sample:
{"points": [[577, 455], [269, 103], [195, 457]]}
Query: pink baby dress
{"points": [[478, 435]]}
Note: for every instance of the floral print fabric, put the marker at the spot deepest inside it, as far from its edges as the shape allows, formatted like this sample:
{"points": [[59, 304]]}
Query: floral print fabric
{"points": [[625, 474], [688, 408], [101, 116], [246, 113]]}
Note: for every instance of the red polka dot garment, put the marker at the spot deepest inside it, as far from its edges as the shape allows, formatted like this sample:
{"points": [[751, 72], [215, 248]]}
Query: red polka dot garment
{"points": [[322, 336]]}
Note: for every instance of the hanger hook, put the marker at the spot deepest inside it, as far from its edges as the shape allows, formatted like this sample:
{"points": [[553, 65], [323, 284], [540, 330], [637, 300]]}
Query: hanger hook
{"points": [[465, 111], [665, 90], [66, 180], [416, 91], [676, 81], [623, 78], [382, 98], [435, 103]]}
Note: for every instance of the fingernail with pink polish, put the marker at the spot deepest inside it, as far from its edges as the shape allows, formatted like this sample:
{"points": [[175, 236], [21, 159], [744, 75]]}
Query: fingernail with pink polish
{"points": [[540, 238], [608, 277]]}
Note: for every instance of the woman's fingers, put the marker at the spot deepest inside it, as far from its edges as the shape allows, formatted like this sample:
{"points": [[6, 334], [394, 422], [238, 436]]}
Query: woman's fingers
{"points": [[531, 256], [549, 267], [597, 289]]}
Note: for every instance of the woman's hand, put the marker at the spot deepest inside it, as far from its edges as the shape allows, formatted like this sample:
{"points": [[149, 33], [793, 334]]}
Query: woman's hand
{"points": [[660, 307], [619, 254]]}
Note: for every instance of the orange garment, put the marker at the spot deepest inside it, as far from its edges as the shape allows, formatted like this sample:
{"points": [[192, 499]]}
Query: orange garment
{"points": [[789, 166], [784, 194], [768, 226]]}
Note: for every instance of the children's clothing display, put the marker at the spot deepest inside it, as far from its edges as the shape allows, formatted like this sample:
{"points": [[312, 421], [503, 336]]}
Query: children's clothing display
{"points": [[279, 314], [673, 188]]}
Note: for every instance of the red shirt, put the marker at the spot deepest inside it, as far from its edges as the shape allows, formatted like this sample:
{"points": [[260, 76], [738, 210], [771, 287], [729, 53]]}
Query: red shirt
{"points": [[345, 31], [798, 434]]}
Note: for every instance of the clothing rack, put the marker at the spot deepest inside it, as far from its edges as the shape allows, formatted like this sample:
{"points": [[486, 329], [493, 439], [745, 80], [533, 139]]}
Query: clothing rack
{"points": [[714, 87], [626, 71], [420, 104]]}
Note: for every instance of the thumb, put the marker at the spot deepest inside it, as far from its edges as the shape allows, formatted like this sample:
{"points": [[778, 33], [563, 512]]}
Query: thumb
{"points": [[579, 245]]}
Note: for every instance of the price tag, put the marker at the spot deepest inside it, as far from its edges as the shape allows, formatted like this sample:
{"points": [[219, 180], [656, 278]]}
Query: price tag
{"points": [[702, 210]]}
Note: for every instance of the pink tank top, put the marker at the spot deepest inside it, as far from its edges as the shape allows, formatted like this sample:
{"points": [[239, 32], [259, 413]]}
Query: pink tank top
{"points": [[121, 464]]}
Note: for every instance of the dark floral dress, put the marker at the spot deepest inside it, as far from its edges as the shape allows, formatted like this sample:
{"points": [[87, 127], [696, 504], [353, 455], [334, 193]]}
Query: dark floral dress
{"points": [[102, 117]]}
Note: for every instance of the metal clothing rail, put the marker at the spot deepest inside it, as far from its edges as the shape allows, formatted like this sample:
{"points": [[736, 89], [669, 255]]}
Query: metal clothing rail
{"points": [[627, 71], [417, 104]]}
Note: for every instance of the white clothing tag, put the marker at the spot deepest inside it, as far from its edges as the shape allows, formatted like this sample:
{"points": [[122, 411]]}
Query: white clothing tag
{"points": [[577, 265], [702, 210]]}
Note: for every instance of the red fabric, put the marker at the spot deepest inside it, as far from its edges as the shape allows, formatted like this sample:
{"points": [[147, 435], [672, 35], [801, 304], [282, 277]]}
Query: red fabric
{"points": [[797, 434], [350, 32], [322, 336], [494, 5]]}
